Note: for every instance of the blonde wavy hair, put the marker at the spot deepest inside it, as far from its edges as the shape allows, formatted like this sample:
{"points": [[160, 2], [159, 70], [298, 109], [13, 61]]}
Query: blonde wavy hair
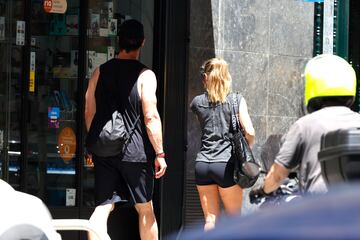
{"points": [[218, 84]]}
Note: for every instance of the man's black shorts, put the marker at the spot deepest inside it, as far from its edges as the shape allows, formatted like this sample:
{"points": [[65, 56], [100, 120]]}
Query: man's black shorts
{"points": [[116, 181]]}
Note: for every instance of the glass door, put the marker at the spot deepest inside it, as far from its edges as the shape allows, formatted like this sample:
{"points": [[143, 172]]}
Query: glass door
{"points": [[12, 42], [51, 169], [101, 32]]}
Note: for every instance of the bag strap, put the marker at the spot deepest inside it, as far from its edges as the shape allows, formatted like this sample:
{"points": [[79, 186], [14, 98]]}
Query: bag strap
{"points": [[235, 120], [138, 117], [134, 125], [116, 105], [234, 117], [119, 103]]}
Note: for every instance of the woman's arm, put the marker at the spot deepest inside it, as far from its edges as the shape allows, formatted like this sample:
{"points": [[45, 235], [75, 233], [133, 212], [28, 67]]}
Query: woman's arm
{"points": [[246, 123]]}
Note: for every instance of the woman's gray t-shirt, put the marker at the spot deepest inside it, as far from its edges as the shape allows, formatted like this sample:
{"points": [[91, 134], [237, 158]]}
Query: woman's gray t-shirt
{"points": [[215, 122]]}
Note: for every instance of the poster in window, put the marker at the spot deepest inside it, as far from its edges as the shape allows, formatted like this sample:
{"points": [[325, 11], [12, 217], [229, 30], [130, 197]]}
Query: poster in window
{"points": [[103, 31], [94, 24], [110, 9], [58, 25], [112, 25], [91, 55], [74, 62], [110, 52], [72, 22], [67, 143]]}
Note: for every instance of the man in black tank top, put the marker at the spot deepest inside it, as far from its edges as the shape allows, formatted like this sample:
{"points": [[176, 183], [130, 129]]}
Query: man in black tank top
{"points": [[130, 177]]}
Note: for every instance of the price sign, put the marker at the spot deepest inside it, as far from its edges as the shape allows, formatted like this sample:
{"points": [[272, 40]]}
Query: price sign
{"points": [[55, 6]]}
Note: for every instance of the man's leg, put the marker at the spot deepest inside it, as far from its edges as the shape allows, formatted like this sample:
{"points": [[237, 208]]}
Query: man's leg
{"points": [[147, 222], [99, 219]]}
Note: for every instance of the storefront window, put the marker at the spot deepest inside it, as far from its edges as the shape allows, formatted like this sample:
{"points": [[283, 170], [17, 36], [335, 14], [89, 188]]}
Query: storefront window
{"points": [[39, 100], [53, 82]]}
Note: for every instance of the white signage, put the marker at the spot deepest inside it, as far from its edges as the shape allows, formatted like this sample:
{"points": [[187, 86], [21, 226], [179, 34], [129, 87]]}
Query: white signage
{"points": [[20, 33], [70, 196], [328, 27]]}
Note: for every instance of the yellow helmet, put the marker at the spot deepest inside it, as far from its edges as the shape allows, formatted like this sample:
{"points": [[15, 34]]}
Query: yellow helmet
{"points": [[329, 75]]}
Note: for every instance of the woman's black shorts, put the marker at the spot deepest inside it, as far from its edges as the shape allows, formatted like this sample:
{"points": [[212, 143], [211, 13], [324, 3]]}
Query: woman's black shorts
{"points": [[220, 173], [117, 181]]}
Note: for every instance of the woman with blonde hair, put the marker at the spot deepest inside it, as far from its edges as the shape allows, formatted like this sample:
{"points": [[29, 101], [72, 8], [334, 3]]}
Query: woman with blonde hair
{"points": [[214, 166]]}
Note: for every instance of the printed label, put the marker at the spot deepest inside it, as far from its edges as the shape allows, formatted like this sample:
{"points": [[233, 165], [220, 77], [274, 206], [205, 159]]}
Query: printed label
{"points": [[70, 196]]}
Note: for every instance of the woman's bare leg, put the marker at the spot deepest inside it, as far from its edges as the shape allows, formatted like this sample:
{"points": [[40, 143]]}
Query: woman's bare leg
{"points": [[232, 199], [209, 198]]}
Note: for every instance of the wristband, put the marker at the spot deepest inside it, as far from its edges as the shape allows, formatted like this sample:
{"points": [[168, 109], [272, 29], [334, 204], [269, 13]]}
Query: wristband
{"points": [[160, 155]]}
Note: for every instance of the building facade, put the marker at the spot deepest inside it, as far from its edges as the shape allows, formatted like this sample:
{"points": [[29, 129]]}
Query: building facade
{"points": [[267, 44]]}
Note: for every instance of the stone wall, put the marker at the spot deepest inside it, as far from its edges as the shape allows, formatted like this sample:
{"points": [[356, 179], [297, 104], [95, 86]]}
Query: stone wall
{"points": [[266, 43]]}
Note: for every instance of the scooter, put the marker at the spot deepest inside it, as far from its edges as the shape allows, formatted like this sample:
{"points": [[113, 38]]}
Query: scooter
{"points": [[287, 192]]}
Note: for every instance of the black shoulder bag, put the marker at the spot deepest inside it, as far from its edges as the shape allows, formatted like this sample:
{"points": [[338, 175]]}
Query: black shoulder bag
{"points": [[113, 138], [246, 169]]}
